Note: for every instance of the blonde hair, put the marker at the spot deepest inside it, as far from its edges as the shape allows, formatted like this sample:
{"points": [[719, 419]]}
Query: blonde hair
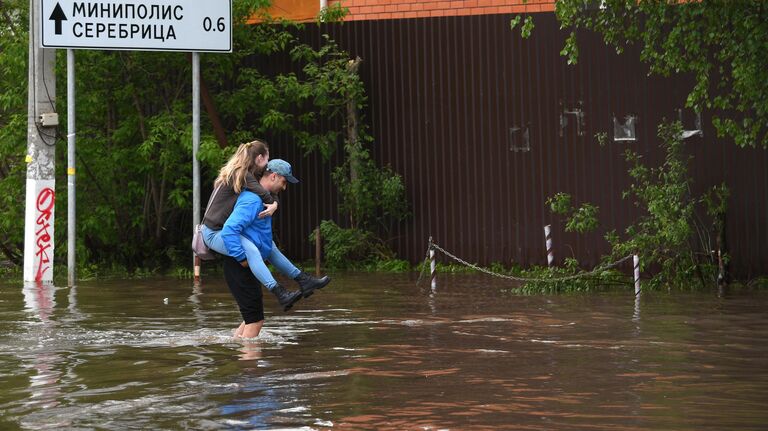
{"points": [[240, 164]]}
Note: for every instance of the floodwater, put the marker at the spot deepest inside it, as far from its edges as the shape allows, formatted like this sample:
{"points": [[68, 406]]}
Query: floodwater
{"points": [[377, 352]]}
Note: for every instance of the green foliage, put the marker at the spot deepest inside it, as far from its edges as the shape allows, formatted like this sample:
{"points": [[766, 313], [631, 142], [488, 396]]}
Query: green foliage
{"points": [[351, 248], [665, 236], [13, 127], [372, 197], [671, 239], [545, 279], [334, 12], [134, 132], [526, 29], [376, 199], [582, 219], [722, 44]]}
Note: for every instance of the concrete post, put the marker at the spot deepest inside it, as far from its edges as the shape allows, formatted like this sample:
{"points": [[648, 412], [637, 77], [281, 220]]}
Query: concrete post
{"points": [[41, 156]]}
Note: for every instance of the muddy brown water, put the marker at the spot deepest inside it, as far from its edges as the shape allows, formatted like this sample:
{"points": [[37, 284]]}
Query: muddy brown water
{"points": [[377, 352]]}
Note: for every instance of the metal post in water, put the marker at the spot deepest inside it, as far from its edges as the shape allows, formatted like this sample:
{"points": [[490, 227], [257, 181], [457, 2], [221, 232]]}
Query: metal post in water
{"points": [[71, 193], [636, 261], [432, 265], [548, 241], [195, 148]]}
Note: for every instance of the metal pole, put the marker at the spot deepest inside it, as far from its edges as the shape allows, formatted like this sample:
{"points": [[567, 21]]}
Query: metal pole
{"points": [[432, 266], [636, 261], [41, 156], [71, 192], [548, 241], [195, 148]]}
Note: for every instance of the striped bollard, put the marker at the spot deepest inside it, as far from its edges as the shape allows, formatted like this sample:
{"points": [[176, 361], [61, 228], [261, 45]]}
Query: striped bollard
{"points": [[636, 261], [196, 264], [548, 239], [432, 265]]}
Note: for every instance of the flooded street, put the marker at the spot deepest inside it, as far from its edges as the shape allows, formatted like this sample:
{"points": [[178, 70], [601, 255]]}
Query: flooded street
{"points": [[377, 352]]}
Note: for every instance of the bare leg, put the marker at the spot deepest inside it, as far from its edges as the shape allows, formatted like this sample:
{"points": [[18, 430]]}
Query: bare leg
{"points": [[239, 330], [252, 330]]}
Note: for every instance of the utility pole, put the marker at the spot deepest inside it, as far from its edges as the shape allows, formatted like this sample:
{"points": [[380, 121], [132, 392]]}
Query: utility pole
{"points": [[41, 156]]}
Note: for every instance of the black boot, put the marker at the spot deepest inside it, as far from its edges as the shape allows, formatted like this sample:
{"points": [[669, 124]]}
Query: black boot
{"points": [[286, 297], [308, 284]]}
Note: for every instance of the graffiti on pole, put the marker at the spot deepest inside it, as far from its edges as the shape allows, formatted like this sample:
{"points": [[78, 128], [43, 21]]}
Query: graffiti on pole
{"points": [[46, 200]]}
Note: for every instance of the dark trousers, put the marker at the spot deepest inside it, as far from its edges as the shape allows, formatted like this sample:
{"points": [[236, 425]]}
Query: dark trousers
{"points": [[246, 289]]}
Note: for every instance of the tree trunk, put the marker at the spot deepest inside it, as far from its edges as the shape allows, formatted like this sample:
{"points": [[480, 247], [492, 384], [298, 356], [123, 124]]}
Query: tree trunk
{"points": [[353, 135], [723, 276], [210, 108]]}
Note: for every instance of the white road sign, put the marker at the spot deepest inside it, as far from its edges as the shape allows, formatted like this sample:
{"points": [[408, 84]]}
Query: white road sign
{"points": [[142, 25]]}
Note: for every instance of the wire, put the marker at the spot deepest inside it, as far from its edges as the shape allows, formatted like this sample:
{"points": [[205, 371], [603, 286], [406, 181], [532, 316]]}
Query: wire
{"points": [[40, 131]]}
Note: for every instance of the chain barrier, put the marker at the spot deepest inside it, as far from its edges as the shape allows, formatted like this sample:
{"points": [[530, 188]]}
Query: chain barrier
{"points": [[523, 279]]}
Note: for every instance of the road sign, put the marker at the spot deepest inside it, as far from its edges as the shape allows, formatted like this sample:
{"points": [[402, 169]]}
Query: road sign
{"points": [[141, 25]]}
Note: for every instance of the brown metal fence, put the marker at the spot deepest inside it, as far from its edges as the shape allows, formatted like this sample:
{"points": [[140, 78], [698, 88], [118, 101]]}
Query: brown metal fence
{"points": [[450, 101]]}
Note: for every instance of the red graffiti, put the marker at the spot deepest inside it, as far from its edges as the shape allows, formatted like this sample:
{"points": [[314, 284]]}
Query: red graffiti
{"points": [[45, 203]]}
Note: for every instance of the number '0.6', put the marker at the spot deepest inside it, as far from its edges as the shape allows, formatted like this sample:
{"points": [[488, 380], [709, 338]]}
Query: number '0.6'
{"points": [[208, 24]]}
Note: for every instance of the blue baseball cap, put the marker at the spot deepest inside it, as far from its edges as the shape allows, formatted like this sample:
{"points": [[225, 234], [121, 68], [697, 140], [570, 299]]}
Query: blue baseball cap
{"points": [[281, 167]]}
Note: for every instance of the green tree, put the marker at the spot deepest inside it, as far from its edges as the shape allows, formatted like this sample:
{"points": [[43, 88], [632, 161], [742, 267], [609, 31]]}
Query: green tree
{"points": [[134, 117], [721, 43], [675, 232], [13, 126], [372, 197]]}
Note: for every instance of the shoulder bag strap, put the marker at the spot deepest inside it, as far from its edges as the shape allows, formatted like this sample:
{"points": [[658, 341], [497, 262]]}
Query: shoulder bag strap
{"points": [[210, 201]]}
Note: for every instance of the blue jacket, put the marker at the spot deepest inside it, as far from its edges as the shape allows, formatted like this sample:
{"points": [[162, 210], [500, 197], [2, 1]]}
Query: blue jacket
{"points": [[245, 221]]}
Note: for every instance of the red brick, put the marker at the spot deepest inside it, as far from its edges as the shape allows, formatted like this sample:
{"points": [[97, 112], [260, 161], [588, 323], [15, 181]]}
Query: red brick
{"points": [[548, 7]]}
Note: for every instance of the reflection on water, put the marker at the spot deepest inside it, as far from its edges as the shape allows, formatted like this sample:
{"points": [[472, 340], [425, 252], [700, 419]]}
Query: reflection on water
{"points": [[378, 352]]}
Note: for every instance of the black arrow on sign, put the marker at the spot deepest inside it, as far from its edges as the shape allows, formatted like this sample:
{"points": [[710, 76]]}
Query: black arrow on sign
{"points": [[58, 16]]}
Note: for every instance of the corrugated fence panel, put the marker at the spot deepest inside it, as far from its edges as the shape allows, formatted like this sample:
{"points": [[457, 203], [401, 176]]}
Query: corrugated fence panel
{"points": [[449, 102]]}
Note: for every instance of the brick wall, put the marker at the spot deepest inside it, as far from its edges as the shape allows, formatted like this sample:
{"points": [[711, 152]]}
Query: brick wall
{"points": [[398, 9]]}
